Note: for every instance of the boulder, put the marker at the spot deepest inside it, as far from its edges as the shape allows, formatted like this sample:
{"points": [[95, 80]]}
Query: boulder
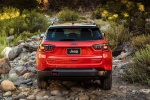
{"points": [[7, 85], [8, 93], [127, 50], [124, 54], [4, 66], [6, 51], [14, 52], [31, 46], [36, 38], [13, 77]]}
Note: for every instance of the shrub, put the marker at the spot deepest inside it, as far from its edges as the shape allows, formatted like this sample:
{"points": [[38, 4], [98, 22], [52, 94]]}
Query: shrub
{"points": [[68, 15], [116, 34], [14, 23], [140, 41], [27, 21], [35, 21], [139, 71]]}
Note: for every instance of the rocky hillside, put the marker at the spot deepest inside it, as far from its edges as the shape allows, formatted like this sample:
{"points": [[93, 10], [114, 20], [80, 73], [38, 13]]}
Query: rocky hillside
{"points": [[21, 83]]}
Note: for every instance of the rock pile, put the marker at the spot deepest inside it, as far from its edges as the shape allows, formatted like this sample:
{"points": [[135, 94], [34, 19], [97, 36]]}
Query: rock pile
{"points": [[21, 83]]}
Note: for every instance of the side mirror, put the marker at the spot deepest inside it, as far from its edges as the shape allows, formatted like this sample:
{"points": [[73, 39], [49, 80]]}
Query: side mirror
{"points": [[41, 36]]}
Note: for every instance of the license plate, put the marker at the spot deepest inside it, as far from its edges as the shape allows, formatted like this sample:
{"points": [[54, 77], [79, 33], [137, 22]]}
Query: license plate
{"points": [[73, 51]]}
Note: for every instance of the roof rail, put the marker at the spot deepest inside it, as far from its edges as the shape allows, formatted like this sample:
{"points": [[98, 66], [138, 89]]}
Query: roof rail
{"points": [[86, 22], [53, 22]]}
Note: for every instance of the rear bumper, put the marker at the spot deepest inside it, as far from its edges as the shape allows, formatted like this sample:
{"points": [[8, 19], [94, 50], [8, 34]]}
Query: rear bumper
{"points": [[96, 62], [70, 73]]}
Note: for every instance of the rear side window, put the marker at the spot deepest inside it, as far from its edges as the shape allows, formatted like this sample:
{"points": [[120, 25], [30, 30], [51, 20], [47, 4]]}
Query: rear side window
{"points": [[73, 34]]}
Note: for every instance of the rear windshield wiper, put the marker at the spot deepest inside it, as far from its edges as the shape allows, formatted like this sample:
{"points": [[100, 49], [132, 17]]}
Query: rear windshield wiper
{"points": [[67, 40]]}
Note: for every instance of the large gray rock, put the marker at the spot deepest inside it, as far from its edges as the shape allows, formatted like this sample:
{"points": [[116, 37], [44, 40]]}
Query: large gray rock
{"points": [[127, 50], [31, 46], [14, 52], [13, 77], [124, 54], [36, 38], [11, 53]]}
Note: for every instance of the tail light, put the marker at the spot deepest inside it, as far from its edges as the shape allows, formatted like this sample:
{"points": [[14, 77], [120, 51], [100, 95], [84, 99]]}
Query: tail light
{"points": [[104, 47], [46, 47]]}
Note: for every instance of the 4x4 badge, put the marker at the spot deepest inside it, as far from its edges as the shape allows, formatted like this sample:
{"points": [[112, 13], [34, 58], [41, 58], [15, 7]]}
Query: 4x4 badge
{"points": [[74, 43]]}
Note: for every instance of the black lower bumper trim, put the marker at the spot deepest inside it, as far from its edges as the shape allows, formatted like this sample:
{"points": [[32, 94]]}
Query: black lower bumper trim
{"points": [[72, 73]]}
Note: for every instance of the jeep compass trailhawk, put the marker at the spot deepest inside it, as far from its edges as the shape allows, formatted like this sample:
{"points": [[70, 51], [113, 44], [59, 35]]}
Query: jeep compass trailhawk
{"points": [[74, 51]]}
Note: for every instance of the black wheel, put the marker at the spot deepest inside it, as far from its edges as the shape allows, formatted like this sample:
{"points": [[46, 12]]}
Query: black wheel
{"points": [[106, 83], [42, 84]]}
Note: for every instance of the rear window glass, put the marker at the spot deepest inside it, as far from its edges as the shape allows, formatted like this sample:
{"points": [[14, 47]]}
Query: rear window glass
{"points": [[73, 34]]}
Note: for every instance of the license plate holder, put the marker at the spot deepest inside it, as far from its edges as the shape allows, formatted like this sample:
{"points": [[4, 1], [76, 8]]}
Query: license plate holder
{"points": [[73, 51]]}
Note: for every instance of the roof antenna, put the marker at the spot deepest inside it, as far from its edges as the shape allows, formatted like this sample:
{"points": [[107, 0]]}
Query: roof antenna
{"points": [[72, 20]]}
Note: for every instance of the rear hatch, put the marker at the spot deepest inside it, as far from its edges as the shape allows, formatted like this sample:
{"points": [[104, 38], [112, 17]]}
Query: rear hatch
{"points": [[65, 53], [73, 46]]}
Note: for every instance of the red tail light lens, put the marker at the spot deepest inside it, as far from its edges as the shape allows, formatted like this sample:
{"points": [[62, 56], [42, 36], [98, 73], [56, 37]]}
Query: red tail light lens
{"points": [[45, 47], [103, 47]]}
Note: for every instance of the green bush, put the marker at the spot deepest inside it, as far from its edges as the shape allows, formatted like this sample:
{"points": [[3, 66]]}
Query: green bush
{"points": [[67, 15], [140, 70], [31, 21], [35, 21], [140, 41], [22, 26], [116, 34]]}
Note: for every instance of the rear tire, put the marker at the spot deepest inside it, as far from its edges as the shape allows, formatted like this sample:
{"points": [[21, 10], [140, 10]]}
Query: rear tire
{"points": [[106, 83], [42, 84]]}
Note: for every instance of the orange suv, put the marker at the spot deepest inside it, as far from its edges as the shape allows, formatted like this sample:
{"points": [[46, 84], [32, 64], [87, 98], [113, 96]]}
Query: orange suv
{"points": [[74, 52]]}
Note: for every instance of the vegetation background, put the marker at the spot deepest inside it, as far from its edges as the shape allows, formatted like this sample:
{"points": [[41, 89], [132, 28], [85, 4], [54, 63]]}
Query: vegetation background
{"points": [[128, 20]]}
